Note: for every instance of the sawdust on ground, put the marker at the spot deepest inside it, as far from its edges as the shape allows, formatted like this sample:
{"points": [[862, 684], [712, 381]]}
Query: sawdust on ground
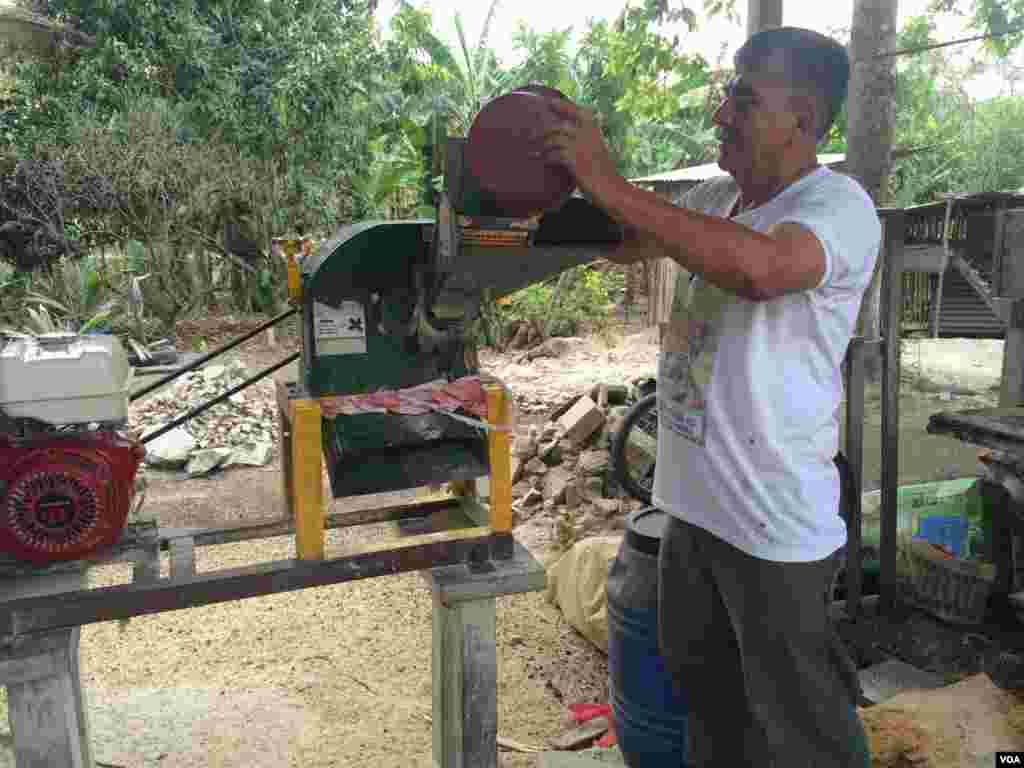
{"points": [[333, 676]]}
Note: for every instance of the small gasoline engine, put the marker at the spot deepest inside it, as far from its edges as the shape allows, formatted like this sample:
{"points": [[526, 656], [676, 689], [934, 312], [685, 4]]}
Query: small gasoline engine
{"points": [[67, 474]]}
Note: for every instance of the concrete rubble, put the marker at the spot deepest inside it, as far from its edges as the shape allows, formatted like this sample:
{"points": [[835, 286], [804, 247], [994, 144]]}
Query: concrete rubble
{"points": [[561, 468], [241, 431]]}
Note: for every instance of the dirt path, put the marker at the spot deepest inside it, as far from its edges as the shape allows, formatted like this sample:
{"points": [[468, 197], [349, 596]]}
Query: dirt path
{"points": [[340, 676]]}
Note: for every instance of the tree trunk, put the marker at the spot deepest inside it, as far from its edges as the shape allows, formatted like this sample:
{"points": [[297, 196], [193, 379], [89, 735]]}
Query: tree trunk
{"points": [[763, 14], [872, 118]]}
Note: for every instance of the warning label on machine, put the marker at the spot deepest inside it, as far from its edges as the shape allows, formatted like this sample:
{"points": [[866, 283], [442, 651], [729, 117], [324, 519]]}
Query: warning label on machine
{"points": [[339, 330]]}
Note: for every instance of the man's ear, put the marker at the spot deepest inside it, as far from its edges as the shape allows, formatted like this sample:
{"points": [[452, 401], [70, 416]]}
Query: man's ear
{"points": [[806, 108]]}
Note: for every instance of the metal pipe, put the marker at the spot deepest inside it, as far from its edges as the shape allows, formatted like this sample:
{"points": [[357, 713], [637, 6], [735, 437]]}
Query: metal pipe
{"points": [[219, 399], [854, 450], [206, 537], [894, 222], [210, 355]]}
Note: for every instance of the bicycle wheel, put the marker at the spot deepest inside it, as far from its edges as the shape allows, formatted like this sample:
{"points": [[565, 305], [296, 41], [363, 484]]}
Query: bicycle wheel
{"points": [[635, 449]]}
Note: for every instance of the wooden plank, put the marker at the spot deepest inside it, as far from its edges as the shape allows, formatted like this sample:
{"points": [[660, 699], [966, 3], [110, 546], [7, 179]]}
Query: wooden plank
{"points": [[500, 449], [47, 713], [307, 477], [69, 609], [44, 725], [465, 685], [15, 671], [930, 259], [479, 683]]}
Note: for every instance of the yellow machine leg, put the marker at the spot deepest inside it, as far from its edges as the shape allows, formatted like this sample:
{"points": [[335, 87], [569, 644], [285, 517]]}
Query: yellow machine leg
{"points": [[500, 450], [307, 480]]}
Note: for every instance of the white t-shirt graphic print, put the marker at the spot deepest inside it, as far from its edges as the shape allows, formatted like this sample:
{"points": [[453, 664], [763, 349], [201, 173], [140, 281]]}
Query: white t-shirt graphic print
{"points": [[748, 392]]}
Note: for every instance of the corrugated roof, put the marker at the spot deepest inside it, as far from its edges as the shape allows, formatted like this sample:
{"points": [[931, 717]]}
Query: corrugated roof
{"points": [[711, 170]]}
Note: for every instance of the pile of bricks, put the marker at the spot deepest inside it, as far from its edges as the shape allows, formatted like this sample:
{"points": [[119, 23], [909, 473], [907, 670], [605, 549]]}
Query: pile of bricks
{"points": [[562, 470]]}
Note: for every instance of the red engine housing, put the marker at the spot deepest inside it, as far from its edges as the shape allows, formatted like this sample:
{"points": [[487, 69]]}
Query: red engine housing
{"points": [[65, 497]]}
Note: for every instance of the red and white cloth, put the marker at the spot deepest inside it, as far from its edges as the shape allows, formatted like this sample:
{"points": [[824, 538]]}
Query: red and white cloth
{"points": [[465, 394]]}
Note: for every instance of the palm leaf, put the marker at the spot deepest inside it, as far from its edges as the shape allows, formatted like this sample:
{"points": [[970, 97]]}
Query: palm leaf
{"points": [[485, 33], [41, 321], [38, 298], [441, 55], [470, 72]]}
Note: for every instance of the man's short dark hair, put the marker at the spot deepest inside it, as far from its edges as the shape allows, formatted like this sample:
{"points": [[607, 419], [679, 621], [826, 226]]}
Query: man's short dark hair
{"points": [[811, 60]]}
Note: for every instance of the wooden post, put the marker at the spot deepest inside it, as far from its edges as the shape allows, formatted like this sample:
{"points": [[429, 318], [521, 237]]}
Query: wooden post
{"points": [[182, 557], [464, 666], [500, 451], [45, 706], [1011, 385], [146, 568], [465, 687], [1009, 279], [935, 320], [307, 479]]}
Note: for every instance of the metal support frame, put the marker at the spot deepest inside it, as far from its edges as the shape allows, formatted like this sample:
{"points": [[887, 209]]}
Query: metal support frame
{"points": [[853, 448], [894, 223], [462, 541], [40, 618], [894, 232]]}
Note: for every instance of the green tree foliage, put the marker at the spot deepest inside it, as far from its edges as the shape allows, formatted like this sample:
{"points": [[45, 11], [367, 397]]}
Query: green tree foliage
{"points": [[962, 146], [202, 127], [996, 17], [283, 80], [652, 99], [453, 83], [931, 116]]}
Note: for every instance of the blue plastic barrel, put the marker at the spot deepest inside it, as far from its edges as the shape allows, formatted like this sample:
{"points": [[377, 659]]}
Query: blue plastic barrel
{"points": [[650, 716]]}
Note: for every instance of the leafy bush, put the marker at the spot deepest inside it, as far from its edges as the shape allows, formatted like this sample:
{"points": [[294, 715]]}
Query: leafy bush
{"points": [[577, 300]]}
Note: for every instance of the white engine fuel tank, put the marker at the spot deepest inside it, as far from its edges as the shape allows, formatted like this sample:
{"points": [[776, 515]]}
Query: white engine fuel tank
{"points": [[64, 378]]}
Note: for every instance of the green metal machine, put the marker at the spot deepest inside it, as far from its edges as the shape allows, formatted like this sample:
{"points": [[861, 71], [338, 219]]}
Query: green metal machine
{"points": [[388, 305]]}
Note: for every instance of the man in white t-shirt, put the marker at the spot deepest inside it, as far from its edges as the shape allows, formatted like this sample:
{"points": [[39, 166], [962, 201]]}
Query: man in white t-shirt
{"points": [[749, 385]]}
